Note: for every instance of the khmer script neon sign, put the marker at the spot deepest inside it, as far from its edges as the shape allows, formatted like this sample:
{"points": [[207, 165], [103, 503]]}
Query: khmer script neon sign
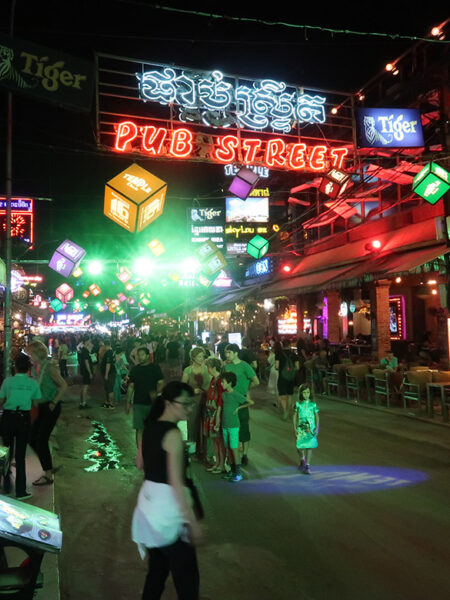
{"points": [[218, 100]]}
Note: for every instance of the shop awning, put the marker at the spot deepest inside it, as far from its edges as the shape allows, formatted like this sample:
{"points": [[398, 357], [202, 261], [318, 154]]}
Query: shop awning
{"points": [[224, 301], [303, 283], [395, 263]]}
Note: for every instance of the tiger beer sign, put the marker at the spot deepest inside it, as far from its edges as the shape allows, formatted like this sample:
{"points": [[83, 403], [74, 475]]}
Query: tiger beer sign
{"points": [[134, 198]]}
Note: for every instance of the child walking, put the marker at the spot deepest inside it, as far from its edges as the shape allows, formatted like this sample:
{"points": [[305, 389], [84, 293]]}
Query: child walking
{"points": [[233, 402], [306, 427]]}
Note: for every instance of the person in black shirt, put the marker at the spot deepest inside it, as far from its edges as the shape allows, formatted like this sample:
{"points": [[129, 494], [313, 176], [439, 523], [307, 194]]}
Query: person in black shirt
{"points": [[145, 382], [108, 367], [221, 348], [164, 522], [286, 363], [86, 369], [248, 355]]}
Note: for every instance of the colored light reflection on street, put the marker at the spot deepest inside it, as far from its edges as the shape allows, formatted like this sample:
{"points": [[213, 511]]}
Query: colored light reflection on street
{"points": [[332, 480], [104, 453]]}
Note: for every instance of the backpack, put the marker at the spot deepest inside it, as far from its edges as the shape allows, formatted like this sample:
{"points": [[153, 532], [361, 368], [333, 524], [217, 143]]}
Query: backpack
{"points": [[288, 371]]}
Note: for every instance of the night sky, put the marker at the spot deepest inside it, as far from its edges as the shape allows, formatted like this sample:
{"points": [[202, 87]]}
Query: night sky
{"points": [[55, 153]]}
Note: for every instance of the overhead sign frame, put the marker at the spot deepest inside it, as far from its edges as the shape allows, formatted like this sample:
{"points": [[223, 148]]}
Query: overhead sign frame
{"points": [[164, 111]]}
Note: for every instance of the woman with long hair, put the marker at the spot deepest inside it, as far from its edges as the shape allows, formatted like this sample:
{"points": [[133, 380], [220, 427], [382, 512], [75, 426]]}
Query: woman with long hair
{"points": [[52, 387], [196, 375], [164, 521]]}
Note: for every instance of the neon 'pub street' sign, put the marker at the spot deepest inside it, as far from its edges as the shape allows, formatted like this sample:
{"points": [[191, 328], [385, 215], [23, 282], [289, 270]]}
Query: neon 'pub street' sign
{"points": [[217, 100], [273, 153]]}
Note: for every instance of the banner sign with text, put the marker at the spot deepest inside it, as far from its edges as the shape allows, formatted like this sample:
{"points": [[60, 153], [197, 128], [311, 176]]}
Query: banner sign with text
{"points": [[389, 128], [46, 74]]}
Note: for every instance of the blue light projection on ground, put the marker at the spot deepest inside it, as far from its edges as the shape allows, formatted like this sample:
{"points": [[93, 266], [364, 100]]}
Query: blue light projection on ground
{"points": [[330, 480], [104, 454]]}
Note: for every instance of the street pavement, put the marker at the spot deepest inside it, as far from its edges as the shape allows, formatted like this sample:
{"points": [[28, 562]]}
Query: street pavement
{"points": [[371, 522]]}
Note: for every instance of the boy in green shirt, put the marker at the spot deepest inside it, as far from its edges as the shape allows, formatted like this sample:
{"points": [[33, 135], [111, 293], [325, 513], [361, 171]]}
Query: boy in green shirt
{"points": [[246, 379], [233, 402]]}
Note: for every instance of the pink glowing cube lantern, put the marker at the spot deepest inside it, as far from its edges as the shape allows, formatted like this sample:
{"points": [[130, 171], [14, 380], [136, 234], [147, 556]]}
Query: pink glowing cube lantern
{"points": [[64, 293], [124, 274]]}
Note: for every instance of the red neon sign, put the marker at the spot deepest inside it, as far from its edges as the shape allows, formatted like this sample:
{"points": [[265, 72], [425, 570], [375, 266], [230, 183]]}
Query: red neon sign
{"points": [[274, 153], [22, 218]]}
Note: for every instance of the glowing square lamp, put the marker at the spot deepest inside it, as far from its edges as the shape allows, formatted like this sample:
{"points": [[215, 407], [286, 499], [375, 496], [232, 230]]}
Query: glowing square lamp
{"points": [[85, 294], [257, 247], [334, 183], [134, 198], [94, 289], [244, 183], [66, 258], [431, 182], [56, 304], [175, 277], [78, 272], [214, 264], [124, 274], [64, 292], [156, 247]]}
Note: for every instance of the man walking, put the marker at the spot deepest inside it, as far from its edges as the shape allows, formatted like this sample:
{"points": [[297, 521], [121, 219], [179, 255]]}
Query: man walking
{"points": [[146, 382]]}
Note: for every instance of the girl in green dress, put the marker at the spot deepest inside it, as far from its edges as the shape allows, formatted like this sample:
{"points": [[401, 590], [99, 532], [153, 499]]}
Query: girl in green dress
{"points": [[306, 427]]}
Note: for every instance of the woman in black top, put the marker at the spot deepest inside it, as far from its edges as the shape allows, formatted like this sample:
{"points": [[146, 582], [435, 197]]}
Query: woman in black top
{"points": [[285, 358], [164, 522]]}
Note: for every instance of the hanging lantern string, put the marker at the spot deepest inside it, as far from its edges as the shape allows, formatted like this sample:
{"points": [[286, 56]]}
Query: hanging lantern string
{"points": [[210, 15]]}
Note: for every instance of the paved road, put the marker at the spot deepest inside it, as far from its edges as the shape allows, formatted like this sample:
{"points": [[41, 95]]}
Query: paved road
{"points": [[371, 522]]}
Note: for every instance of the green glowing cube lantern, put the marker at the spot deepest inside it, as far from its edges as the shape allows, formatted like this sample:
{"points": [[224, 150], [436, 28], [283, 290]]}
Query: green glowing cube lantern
{"points": [[211, 258], [257, 247], [56, 304], [432, 182]]}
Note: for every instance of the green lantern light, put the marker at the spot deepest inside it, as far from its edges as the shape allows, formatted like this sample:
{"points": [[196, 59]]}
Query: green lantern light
{"points": [[431, 182], [95, 267], [56, 304], [257, 247]]}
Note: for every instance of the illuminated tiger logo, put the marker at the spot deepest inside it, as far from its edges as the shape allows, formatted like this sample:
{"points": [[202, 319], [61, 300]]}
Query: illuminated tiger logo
{"points": [[8, 72], [372, 135]]}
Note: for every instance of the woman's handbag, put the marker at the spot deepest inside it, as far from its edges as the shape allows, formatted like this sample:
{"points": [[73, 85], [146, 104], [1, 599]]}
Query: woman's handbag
{"points": [[197, 505]]}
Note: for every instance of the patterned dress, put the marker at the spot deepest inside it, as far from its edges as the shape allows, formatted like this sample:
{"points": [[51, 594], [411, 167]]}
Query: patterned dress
{"points": [[213, 402], [306, 412]]}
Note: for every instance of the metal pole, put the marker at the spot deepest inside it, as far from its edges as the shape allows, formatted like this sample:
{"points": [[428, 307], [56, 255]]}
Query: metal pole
{"points": [[7, 305]]}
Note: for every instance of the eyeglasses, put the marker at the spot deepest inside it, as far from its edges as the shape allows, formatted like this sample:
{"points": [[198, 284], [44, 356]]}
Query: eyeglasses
{"points": [[185, 404]]}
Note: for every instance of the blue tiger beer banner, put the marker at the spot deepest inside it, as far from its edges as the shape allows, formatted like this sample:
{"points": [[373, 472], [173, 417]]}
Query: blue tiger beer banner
{"points": [[389, 128]]}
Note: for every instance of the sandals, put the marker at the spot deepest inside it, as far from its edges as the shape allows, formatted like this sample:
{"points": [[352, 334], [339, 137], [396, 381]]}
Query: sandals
{"points": [[43, 480]]}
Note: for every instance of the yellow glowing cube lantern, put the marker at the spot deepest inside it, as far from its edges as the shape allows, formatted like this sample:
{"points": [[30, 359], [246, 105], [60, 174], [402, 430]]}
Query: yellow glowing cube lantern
{"points": [[156, 247], [94, 289], [78, 272], [175, 276], [134, 198]]}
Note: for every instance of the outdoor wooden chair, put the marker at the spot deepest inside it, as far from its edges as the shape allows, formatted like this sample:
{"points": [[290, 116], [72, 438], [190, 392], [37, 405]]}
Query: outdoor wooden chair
{"points": [[381, 385], [414, 387], [355, 380]]}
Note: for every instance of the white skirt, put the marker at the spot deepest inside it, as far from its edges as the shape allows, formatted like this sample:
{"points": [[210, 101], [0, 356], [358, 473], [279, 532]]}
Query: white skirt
{"points": [[157, 519]]}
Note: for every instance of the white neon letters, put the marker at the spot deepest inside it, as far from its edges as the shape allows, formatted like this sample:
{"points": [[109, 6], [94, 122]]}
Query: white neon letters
{"points": [[219, 102]]}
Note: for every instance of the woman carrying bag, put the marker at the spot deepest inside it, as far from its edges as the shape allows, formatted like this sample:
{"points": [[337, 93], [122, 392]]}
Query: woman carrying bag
{"points": [[164, 520], [52, 387]]}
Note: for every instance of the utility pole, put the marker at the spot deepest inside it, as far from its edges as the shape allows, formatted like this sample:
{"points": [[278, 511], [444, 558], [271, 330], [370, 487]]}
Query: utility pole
{"points": [[7, 305]]}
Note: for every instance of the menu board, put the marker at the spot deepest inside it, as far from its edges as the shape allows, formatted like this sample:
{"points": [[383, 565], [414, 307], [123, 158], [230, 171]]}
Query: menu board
{"points": [[29, 525]]}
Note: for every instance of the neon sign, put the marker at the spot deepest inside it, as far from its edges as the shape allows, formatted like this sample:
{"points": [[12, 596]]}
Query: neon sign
{"points": [[397, 327], [228, 149], [22, 218], [218, 101]]}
